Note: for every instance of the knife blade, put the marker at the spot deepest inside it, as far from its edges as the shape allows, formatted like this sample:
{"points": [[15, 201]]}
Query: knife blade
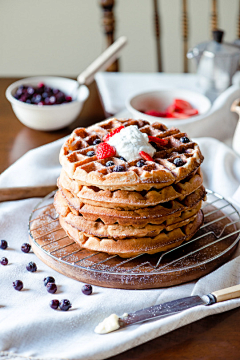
{"points": [[113, 322], [162, 310]]}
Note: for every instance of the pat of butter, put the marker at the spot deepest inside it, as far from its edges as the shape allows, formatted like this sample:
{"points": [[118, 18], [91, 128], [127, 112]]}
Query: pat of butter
{"points": [[108, 325]]}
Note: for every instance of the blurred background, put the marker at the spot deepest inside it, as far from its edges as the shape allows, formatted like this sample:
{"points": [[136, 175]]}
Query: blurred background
{"points": [[62, 38]]}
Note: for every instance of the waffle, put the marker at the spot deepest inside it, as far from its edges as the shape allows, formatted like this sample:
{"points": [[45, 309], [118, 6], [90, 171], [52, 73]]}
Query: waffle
{"points": [[116, 231], [130, 200], [139, 218], [134, 246], [158, 174]]}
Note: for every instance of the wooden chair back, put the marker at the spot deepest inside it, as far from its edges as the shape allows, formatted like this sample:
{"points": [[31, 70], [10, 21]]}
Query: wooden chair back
{"points": [[108, 22]]}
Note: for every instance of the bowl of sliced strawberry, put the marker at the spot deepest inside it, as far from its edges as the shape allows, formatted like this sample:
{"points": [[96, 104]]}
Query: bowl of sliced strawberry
{"points": [[175, 107]]}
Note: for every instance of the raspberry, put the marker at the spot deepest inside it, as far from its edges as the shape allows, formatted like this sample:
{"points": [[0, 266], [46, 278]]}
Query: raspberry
{"points": [[115, 131], [158, 140], [145, 156], [104, 150]]}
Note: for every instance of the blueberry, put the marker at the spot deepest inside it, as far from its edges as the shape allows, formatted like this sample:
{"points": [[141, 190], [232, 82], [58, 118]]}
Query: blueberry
{"points": [[96, 141], [18, 285], [49, 279], [54, 304], [31, 267], [51, 288], [154, 145], [44, 95], [87, 289], [47, 101], [26, 247], [4, 261], [122, 158], [109, 163], [118, 168], [178, 162], [140, 163], [3, 244], [30, 90], [184, 139], [90, 153], [65, 305], [37, 98], [52, 100]]}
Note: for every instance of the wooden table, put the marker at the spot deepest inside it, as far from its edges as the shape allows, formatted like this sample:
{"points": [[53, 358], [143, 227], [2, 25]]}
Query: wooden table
{"points": [[215, 337]]}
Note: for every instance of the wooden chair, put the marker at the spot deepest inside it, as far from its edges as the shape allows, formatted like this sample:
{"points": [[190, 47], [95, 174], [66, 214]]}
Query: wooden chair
{"points": [[108, 22]]}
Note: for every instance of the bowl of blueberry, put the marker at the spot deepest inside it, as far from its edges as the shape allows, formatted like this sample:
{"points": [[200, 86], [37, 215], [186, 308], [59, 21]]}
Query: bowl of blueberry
{"points": [[46, 102]]}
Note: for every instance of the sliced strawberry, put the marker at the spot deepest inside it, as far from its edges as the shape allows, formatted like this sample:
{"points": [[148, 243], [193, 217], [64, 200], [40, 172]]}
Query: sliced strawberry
{"points": [[170, 109], [158, 140], [182, 105], [179, 115], [190, 112], [115, 131], [145, 156], [156, 113], [104, 150]]}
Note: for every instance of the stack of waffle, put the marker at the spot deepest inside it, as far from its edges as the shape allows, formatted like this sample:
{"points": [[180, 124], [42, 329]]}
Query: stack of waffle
{"points": [[130, 207]]}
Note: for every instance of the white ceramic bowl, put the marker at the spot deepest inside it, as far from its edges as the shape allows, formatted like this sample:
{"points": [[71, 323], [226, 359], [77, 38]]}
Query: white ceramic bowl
{"points": [[48, 117], [160, 99]]}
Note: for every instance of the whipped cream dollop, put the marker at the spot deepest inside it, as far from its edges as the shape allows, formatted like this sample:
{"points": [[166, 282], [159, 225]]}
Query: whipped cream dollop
{"points": [[129, 142], [108, 325]]}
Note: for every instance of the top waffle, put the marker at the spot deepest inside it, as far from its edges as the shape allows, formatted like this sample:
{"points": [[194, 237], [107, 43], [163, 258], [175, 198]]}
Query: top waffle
{"points": [[89, 170]]}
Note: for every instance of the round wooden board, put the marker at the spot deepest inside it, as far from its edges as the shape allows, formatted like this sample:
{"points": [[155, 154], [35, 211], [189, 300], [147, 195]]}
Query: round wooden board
{"points": [[212, 245]]}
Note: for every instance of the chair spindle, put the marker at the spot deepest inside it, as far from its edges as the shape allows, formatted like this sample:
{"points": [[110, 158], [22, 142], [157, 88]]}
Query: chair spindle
{"points": [[108, 22], [214, 16], [185, 34], [157, 35]]}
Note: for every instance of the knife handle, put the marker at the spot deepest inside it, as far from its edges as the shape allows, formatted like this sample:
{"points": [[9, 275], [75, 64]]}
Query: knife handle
{"points": [[18, 193], [227, 294]]}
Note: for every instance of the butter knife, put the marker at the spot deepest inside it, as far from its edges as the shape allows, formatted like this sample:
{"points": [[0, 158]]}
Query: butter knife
{"points": [[113, 322]]}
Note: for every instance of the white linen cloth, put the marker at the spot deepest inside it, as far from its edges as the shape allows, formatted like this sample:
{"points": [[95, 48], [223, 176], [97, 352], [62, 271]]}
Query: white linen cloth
{"points": [[30, 328]]}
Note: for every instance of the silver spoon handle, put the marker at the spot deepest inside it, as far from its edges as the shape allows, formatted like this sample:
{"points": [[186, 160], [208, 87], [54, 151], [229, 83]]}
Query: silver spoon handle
{"points": [[102, 62]]}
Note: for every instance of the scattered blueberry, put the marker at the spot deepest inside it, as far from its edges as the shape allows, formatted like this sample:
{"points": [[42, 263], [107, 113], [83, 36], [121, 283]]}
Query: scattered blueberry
{"points": [[31, 267], [4, 261], [140, 163], [3, 244], [90, 153], [18, 285], [109, 163], [65, 305], [26, 247], [122, 158], [49, 279], [184, 139], [51, 288], [178, 162], [118, 168], [96, 141], [54, 304], [87, 289]]}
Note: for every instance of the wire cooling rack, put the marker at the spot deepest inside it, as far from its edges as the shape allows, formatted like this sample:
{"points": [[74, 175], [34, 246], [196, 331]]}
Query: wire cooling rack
{"points": [[213, 244]]}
